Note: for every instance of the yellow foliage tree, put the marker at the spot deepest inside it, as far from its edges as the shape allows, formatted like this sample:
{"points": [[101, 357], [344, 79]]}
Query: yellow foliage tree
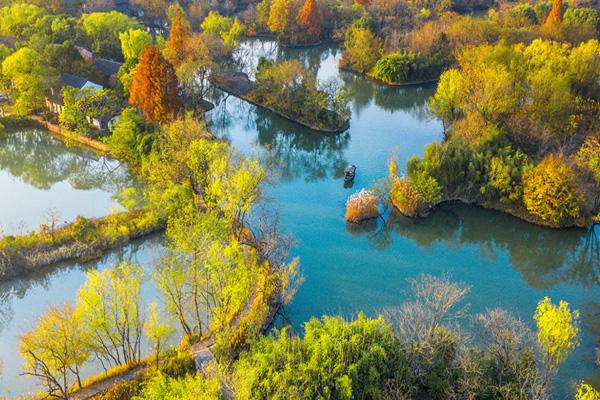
{"points": [[558, 330], [586, 392], [551, 191]]}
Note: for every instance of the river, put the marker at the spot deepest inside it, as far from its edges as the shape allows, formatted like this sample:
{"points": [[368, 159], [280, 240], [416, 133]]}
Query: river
{"points": [[506, 262]]}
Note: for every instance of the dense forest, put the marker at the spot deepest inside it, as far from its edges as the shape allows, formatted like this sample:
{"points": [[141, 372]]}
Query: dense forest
{"points": [[518, 93]]}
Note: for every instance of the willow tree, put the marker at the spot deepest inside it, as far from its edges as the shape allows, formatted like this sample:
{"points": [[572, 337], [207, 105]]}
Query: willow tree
{"points": [[108, 308], [54, 351]]}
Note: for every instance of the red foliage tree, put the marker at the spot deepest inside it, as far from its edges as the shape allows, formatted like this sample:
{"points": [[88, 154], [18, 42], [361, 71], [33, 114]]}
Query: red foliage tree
{"points": [[155, 88], [310, 19], [179, 34]]}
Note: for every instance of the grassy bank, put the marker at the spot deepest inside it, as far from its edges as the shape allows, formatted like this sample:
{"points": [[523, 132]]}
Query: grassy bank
{"points": [[83, 240]]}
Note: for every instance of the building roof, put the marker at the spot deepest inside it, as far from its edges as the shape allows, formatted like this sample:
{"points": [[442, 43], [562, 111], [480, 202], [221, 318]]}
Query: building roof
{"points": [[66, 79], [107, 67], [77, 81]]}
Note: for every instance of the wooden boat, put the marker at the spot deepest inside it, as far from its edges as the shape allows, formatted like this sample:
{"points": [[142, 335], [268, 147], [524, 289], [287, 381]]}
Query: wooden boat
{"points": [[349, 173]]}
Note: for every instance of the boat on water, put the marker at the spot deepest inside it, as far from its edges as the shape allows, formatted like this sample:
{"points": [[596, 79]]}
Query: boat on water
{"points": [[349, 173]]}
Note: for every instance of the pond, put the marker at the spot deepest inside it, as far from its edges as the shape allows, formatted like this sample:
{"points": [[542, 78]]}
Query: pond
{"points": [[506, 262], [40, 176]]}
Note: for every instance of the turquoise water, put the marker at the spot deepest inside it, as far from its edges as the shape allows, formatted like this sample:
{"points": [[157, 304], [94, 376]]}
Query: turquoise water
{"points": [[506, 262]]}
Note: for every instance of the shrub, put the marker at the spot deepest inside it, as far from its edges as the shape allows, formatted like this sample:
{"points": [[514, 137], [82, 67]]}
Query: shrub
{"points": [[551, 191], [406, 198], [362, 205], [124, 390], [179, 365], [395, 68]]}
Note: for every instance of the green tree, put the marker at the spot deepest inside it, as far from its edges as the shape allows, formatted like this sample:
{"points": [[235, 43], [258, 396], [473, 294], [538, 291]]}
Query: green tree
{"points": [[54, 351], [336, 359], [21, 20], [216, 24], [157, 331], [134, 42], [30, 77], [109, 309], [131, 138], [361, 50], [197, 387], [102, 31]]}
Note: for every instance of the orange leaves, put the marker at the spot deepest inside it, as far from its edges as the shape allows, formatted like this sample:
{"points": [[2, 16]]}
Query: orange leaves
{"points": [[310, 19], [362, 205], [155, 87], [178, 37]]}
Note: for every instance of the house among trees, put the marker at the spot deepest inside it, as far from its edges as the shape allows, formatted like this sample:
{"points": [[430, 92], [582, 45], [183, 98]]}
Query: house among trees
{"points": [[55, 100], [108, 68]]}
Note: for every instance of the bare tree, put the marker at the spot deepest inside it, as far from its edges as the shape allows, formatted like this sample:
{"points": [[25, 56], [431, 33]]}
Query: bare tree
{"points": [[435, 302]]}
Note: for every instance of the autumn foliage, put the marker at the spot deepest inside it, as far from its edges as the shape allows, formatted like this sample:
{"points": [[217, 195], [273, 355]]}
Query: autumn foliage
{"points": [[551, 191], [556, 13], [178, 37], [155, 88], [362, 205], [309, 19]]}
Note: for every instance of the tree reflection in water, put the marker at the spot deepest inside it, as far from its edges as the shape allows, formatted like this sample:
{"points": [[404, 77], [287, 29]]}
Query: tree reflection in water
{"points": [[18, 288], [41, 161]]}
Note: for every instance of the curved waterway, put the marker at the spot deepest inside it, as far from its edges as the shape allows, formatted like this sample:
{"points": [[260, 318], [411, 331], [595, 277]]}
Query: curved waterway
{"points": [[506, 262]]}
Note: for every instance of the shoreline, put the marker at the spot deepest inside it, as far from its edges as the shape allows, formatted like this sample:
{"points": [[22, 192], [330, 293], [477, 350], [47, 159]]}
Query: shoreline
{"points": [[37, 250], [488, 206], [390, 84], [242, 96]]}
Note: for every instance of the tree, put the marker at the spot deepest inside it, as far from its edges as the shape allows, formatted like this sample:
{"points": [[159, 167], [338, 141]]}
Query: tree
{"points": [[131, 139], [362, 49], [109, 309], [445, 102], [157, 331], [190, 387], [21, 20], [134, 42], [556, 14], [280, 15], [30, 77], [179, 34], [551, 191], [154, 87], [335, 359], [102, 30], [558, 330], [216, 24], [54, 351], [310, 19]]}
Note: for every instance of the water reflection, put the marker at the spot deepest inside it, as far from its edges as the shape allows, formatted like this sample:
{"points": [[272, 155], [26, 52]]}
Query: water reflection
{"points": [[24, 299], [41, 161], [545, 257]]}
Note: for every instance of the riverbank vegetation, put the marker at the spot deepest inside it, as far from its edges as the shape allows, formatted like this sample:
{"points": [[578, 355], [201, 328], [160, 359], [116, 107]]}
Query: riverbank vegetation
{"points": [[521, 135], [415, 350], [290, 89], [83, 240]]}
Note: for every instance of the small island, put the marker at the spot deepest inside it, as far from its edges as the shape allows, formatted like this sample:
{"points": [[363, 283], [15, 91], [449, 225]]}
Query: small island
{"points": [[291, 91]]}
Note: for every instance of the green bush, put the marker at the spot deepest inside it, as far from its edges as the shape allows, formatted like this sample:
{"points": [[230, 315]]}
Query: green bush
{"points": [[179, 365], [396, 67], [124, 390]]}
